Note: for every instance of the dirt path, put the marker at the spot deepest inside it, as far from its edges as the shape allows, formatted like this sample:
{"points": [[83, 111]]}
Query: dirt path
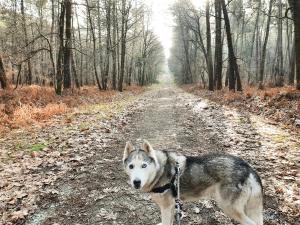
{"points": [[96, 190]]}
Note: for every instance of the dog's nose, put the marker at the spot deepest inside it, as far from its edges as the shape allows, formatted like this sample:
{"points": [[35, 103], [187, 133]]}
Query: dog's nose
{"points": [[137, 184]]}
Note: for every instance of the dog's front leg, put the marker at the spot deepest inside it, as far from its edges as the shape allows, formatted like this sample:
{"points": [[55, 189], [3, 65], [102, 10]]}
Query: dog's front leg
{"points": [[166, 203], [167, 215]]}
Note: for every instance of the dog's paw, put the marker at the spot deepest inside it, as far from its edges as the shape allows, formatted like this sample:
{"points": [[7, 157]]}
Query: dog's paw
{"points": [[159, 224]]}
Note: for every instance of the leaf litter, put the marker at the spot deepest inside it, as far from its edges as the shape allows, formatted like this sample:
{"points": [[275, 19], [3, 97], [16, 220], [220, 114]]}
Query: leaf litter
{"points": [[92, 187], [32, 159]]}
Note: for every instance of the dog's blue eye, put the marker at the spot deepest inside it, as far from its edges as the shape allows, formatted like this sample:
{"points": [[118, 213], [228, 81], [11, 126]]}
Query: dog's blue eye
{"points": [[131, 166], [144, 165]]}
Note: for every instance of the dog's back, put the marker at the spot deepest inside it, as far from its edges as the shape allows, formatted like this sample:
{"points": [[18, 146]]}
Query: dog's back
{"points": [[229, 180]]}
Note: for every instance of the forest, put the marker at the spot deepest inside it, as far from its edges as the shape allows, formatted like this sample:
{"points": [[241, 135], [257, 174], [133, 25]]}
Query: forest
{"points": [[67, 44], [87, 85], [236, 44]]}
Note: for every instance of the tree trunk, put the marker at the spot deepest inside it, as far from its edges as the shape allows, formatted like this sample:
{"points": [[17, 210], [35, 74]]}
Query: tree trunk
{"points": [[263, 56], [101, 64], [292, 66], [73, 64], [52, 42], [219, 45], [295, 7], [122, 64], [94, 44], [130, 69], [59, 75], [29, 75], [253, 38], [124, 30], [297, 40], [88, 38], [3, 80], [280, 78], [18, 76], [81, 49], [68, 45], [257, 54], [243, 33], [108, 43], [114, 47], [233, 67], [143, 73], [209, 55], [187, 71]]}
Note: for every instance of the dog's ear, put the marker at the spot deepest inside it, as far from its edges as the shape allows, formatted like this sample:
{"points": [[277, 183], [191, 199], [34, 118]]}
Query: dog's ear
{"points": [[147, 147], [151, 152], [128, 148]]}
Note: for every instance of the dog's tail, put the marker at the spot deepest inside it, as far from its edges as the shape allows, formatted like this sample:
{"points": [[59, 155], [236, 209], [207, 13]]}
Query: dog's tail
{"points": [[254, 207]]}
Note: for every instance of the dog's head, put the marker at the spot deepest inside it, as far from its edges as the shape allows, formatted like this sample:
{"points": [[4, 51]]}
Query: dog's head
{"points": [[140, 164]]}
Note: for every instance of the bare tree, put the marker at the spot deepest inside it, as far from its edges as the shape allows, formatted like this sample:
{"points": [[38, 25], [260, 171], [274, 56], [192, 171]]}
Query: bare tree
{"points": [[263, 57], [279, 66], [295, 7], [3, 79], [114, 46], [68, 44], [59, 75], [208, 46], [108, 6], [125, 9], [24, 25], [94, 44], [234, 76], [218, 45]]}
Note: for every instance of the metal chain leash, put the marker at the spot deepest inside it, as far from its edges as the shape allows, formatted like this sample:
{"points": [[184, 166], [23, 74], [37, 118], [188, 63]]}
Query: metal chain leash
{"points": [[178, 204]]}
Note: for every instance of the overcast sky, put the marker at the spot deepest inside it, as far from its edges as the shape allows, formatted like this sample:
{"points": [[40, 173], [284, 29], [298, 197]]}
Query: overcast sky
{"points": [[162, 20]]}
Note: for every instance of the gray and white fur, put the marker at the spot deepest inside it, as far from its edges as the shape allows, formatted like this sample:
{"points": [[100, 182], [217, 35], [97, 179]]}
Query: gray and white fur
{"points": [[227, 179]]}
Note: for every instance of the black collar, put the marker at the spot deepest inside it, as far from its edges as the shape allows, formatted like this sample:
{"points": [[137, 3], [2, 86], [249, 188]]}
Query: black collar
{"points": [[167, 186]]}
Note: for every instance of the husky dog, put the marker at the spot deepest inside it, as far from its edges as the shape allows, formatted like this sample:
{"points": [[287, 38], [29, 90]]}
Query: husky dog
{"points": [[227, 179]]}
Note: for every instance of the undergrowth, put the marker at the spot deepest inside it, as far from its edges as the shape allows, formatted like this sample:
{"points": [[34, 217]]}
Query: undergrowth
{"points": [[280, 104], [35, 104]]}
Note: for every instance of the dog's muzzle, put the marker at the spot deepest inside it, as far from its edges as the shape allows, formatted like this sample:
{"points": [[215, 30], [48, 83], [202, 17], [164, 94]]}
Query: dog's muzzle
{"points": [[137, 184]]}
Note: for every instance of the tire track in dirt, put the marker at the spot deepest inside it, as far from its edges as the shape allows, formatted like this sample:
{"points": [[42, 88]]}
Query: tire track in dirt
{"points": [[96, 191]]}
